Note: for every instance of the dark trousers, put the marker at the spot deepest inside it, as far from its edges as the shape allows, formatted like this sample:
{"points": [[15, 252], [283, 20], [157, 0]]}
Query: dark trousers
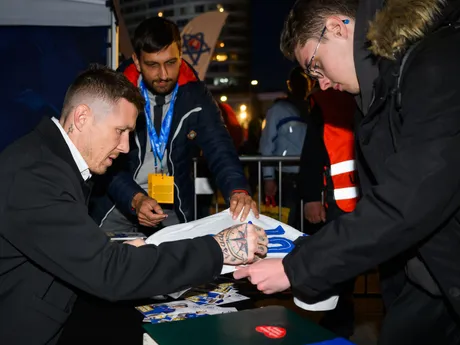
{"points": [[418, 318], [341, 320]]}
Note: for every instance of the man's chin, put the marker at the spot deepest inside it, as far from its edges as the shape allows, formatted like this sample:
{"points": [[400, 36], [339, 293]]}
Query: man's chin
{"points": [[101, 170], [163, 91]]}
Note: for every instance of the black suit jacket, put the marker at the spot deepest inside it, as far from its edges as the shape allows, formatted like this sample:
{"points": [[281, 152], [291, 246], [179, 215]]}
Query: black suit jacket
{"points": [[50, 247]]}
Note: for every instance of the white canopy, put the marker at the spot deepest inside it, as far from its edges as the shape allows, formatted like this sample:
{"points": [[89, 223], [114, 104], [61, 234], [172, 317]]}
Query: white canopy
{"points": [[55, 12]]}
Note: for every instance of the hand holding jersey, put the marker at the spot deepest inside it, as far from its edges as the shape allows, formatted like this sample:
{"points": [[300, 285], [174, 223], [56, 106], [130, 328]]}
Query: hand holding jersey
{"points": [[241, 243]]}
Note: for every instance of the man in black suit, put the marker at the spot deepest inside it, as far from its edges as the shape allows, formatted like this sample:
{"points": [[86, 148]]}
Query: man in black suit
{"points": [[50, 247]]}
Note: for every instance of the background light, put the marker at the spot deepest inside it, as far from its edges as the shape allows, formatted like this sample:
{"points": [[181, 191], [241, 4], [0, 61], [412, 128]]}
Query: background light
{"points": [[221, 57], [254, 82], [160, 14], [223, 98], [243, 107]]}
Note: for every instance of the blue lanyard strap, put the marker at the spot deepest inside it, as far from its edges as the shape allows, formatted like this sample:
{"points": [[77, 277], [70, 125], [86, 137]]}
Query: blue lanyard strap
{"points": [[158, 143]]}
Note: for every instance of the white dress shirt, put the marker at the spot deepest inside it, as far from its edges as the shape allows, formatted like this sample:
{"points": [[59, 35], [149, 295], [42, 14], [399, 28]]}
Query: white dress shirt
{"points": [[77, 157]]}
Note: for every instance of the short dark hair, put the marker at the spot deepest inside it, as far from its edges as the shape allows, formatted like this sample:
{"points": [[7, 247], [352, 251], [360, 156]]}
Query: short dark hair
{"points": [[101, 82], [154, 34], [307, 19]]}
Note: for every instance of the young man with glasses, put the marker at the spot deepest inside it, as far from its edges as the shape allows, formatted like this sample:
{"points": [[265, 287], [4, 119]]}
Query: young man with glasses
{"points": [[402, 63]]}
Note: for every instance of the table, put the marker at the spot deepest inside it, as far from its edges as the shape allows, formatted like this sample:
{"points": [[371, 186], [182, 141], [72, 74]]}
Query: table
{"points": [[96, 321], [261, 326]]}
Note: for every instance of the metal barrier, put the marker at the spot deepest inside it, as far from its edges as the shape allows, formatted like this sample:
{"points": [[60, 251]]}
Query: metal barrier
{"points": [[275, 160]]}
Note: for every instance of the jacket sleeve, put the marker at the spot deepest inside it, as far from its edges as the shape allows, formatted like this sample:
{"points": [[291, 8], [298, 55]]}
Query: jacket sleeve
{"points": [[417, 191], [218, 148], [313, 159], [53, 230], [268, 136]]}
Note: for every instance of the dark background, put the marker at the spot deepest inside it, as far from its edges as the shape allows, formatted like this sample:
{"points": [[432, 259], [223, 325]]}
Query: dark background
{"points": [[268, 64]]}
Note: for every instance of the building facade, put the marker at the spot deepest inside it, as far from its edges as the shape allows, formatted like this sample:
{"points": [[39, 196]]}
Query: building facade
{"points": [[229, 68]]}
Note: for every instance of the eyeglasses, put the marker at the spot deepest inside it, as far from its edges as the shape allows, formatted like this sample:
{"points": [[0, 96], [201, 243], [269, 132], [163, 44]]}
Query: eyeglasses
{"points": [[313, 72]]}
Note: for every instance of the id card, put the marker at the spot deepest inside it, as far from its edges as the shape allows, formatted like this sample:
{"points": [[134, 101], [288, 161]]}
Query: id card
{"points": [[161, 188]]}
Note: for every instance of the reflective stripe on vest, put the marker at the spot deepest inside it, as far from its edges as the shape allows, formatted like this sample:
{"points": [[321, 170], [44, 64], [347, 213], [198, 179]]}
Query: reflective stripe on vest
{"points": [[345, 193], [343, 167]]}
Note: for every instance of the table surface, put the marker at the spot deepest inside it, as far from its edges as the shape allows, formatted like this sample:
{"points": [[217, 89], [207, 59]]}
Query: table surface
{"points": [[241, 328], [94, 320]]}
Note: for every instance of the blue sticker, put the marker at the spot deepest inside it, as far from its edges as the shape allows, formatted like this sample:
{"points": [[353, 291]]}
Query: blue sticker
{"points": [[336, 341]]}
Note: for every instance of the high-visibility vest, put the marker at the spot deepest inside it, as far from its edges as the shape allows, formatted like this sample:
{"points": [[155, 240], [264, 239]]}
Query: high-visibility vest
{"points": [[342, 170], [338, 110]]}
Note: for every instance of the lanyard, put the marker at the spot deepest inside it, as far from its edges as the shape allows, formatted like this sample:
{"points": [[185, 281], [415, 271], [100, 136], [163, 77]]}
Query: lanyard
{"points": [[158, 143]]}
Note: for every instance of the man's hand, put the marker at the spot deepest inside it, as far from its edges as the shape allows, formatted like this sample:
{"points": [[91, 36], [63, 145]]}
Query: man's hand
{"points": [[240, 242], [138, 242], [270, 187], [315, 212], [267, 274], [148, 210], [242, 201]]}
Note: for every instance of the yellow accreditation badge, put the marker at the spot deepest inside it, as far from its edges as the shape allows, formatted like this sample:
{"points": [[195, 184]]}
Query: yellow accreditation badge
{"points": [[161, 188]]}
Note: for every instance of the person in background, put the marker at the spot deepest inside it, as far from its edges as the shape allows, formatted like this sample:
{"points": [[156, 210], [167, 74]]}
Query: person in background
{"points": [[233, 126], [180, 119], [250, 146], [328, 183], [51, 249], [283, 135]]}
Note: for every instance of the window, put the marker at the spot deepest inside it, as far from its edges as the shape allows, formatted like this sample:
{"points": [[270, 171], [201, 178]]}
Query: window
{"points": [[220, 57], [234, 7], [153, 4], [216, 67], [168, 2], [224, 81], [183, 11], [199, 9], [168, 13], [237, 31], [182, 22]]}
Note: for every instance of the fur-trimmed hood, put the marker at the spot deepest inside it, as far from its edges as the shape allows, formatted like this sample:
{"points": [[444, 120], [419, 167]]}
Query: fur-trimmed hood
{"points": [[402, 22]]}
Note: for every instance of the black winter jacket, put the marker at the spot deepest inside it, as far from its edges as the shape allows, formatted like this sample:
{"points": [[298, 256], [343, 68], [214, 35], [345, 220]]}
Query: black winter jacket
{"points": [[409, 165]]}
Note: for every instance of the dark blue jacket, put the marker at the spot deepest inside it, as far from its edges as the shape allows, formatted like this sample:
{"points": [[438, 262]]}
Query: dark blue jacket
{"points": [[195, 110]]}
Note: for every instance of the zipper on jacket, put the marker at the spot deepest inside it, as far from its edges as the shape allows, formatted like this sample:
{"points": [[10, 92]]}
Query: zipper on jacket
{"points": [[195, 110]]}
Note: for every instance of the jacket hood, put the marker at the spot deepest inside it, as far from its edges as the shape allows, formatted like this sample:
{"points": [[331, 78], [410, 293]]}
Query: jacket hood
{"points": [[186, 73], [400, 23]]}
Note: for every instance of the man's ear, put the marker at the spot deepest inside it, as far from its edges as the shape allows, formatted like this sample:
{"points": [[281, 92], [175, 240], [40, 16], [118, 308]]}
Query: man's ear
{"points": [[81, 116], [336, 28], [136, 62]]}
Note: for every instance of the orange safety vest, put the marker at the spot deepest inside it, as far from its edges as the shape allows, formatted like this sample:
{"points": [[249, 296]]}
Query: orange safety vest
{"points": [[338, 110]]}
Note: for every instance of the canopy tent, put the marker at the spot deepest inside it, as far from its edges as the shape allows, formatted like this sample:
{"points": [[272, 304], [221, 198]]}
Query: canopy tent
{"points": [[55, 13], [44, 45]]}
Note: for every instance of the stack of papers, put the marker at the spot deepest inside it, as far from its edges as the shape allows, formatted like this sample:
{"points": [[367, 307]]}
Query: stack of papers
{"points": [[214, 294], [179, 310], [200, 301]]}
